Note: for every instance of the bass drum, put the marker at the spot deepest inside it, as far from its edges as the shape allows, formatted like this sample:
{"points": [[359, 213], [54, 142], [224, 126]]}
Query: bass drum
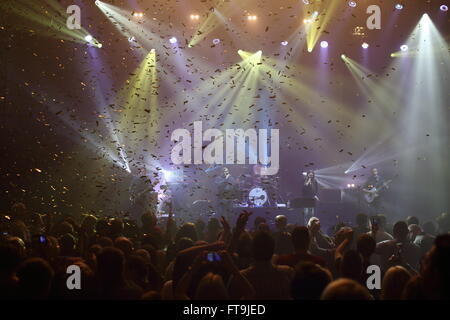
{"points": [[257, 197]]}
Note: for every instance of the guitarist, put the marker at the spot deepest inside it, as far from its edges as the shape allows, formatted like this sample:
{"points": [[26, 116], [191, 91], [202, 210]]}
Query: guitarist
{"points": [[375, 181]]}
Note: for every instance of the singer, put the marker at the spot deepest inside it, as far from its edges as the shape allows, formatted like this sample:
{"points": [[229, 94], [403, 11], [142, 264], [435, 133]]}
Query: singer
{"points": [[309, 190]]}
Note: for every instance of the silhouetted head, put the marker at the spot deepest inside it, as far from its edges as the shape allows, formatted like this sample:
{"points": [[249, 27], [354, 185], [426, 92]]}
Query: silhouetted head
{"points": [[394, 282], [124, 244], [263, 246], [211, 287], [366, 245], [280, 222], [309, 281], [345, 289], [187, 230], [110, 264], [412, 220], [35, 278], [300, 238], [400, 230]]}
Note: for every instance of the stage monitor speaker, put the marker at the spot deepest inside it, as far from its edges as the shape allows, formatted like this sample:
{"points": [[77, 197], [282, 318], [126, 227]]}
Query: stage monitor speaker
{"points": [[330, 195], [300, 203]]}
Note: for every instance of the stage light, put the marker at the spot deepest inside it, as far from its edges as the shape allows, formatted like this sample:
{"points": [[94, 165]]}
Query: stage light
{"points": [[152, 51], [365, 45], [88, 38], [173, 40], [352, 4], [444, 7], [99, 45], [399, 6], [324, 44], [404, 48], [168, 175], [195, 17], [348, 185], [306, 21], [252, 18], [304, 173], [97, 3], [138, 14], [216, 41], [240, 52], [284, 43], [343, 56], [306, 1]]}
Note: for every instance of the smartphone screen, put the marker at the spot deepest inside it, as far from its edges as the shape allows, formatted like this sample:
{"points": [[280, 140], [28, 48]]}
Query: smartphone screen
{"points": [[213, 257]]}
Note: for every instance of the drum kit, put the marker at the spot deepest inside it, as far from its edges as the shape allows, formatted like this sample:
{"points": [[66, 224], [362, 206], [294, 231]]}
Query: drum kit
{"points": [[251, 190], [257, 191]]}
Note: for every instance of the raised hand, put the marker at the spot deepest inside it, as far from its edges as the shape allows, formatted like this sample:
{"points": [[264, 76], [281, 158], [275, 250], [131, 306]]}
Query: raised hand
{"points": [[225, 224], [242, 220]]}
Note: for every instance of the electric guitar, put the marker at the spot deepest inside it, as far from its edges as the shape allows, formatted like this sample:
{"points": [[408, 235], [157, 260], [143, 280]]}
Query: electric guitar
{"points": [[371, 194]]}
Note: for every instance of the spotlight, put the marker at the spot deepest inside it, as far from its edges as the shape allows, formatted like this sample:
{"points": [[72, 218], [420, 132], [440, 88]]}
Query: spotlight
{"points": [[239, 51], [138, 14], [195, 17], [99, 45], [152, 51], [404, 48], [306, 21], [399, 6], [216, 41], [349, 185], [173, 40], [252, 18], [305, 173], [88, 38], [168, 175], [343, 56], [324, 44], [352, 4], [306, 1], [444, 7], [365, 45], [284, 43], [97, 3]]}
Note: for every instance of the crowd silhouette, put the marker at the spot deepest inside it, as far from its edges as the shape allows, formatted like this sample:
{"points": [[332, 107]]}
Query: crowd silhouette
{"points": [[213, 260]]}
